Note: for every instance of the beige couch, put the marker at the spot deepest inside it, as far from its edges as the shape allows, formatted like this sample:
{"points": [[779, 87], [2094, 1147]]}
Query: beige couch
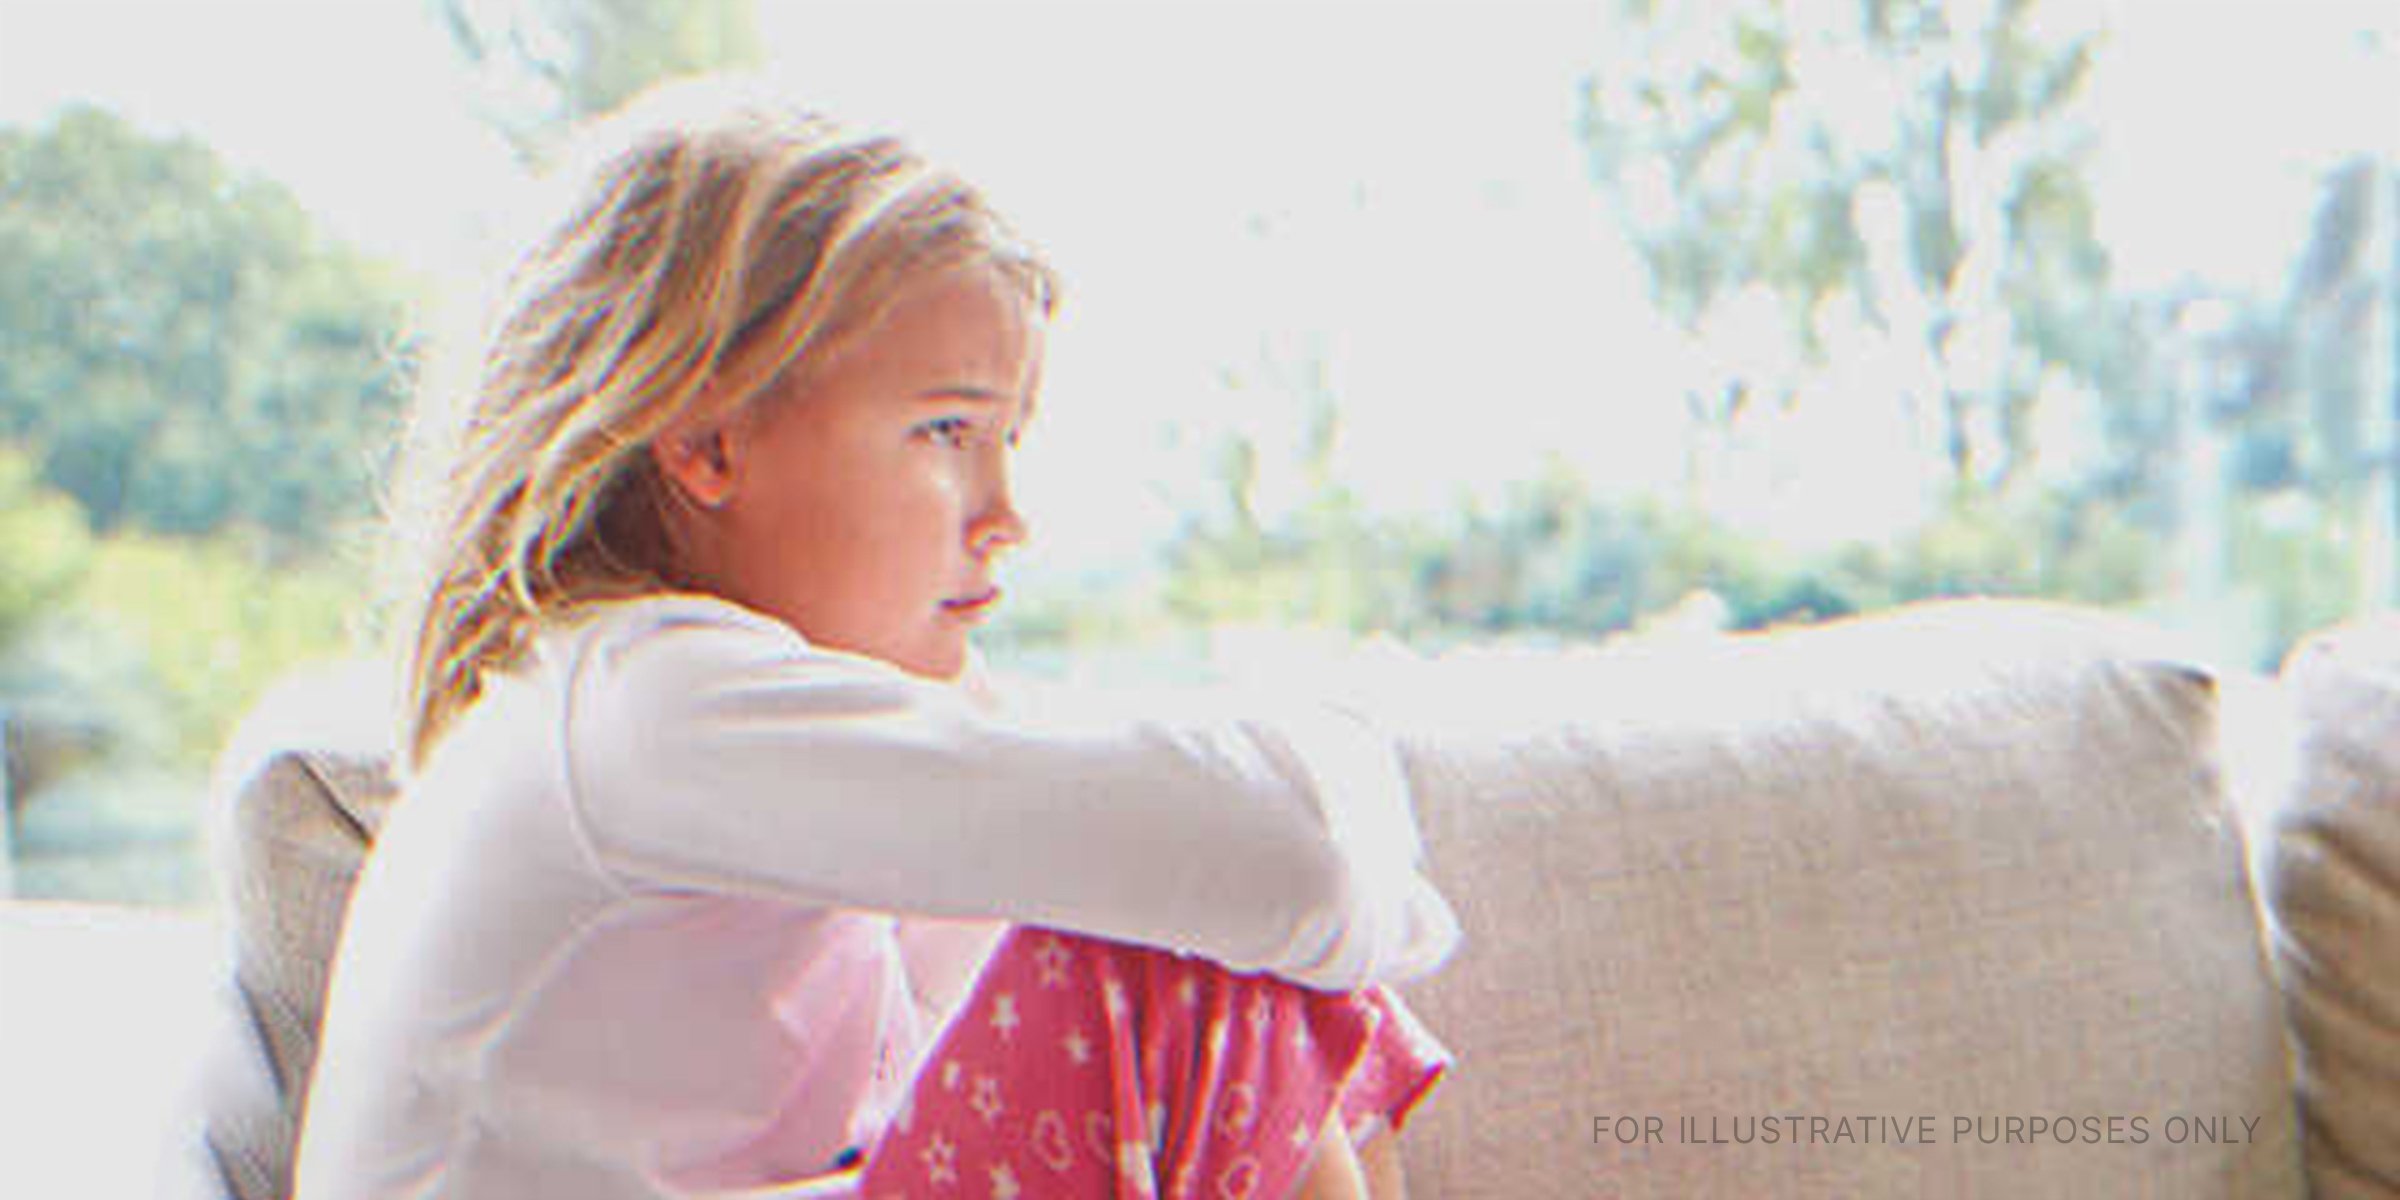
{"points": [[1954, 901]]}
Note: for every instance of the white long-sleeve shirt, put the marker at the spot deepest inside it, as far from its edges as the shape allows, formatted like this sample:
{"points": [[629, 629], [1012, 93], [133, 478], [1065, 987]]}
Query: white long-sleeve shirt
{"points": [[631, 933]]}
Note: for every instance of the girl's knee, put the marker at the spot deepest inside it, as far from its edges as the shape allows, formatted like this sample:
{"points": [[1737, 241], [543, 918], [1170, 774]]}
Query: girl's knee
{"points": [[1103, 1056]]}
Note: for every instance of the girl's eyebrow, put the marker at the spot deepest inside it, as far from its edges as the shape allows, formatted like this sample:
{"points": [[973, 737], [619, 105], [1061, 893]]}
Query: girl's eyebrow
{"points": [[972, 394], [963, 391]]}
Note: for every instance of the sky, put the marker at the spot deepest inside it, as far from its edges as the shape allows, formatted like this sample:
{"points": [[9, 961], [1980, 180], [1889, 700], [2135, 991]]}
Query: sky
{"points": [[1386, 197], [2220, 114], [353, 103]]}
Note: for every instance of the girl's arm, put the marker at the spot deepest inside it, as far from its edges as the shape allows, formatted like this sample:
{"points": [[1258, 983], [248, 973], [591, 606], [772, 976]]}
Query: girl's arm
{"points": [[711, 747]]}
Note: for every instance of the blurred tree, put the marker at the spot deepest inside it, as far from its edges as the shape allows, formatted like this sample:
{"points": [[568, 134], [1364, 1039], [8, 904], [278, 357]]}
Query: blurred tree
{"points": [[215, 623], [195, 392], [2335, 355], [47, 545], [45, 541], [1887, 199], [2334, 287], [550, 63], [1892, 181], [1550, 561], [178, 350], [1323, 561]]}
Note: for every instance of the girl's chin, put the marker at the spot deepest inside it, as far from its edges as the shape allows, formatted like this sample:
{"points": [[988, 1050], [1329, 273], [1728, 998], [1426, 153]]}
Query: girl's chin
{"points": [[940, 663]]}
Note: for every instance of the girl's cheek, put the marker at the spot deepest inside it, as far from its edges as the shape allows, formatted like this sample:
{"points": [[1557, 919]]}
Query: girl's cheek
{"points": [[949, 483]]}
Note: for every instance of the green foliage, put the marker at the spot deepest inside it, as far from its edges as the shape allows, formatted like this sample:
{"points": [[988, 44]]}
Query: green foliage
{"points": [[560, 61], [45, 541], [216, 621], [123, 688], [1546, 558], [1905, 165], [195, 391], [2301, 571], [1330, 566], [1549, 560], [45, 728], [177, 349]]}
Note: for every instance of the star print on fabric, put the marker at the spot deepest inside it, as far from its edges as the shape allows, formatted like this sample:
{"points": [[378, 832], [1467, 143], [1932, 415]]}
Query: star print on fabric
{"points": [[1051, 1141], [1241, 1110], [1051, 963], [941, 1161], [1012, 1127], [986, 1101], [1239, 1179]]}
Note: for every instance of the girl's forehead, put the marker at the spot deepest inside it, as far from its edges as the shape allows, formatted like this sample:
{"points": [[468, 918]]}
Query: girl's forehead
{"points": [[976, 321], [968, 332]]}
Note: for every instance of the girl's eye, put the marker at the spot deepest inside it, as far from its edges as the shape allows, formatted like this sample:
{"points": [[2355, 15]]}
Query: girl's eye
{"points": [[954, 432]]}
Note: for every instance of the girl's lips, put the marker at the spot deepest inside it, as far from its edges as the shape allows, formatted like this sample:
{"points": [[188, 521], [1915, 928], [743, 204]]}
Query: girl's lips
{"points": [[975, 604]]}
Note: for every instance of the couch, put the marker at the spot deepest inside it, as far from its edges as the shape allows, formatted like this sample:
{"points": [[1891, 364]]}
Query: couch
{"points": [[1979, 898]]}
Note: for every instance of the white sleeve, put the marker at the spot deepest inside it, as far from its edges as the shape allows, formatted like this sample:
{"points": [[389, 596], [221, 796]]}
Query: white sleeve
{"points": [[715, 749]]}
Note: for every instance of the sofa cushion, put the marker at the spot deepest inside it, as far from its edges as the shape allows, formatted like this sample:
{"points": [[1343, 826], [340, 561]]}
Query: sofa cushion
{"points": [[298, 796], [302, 825], [1964, 863], [2333, 882]]}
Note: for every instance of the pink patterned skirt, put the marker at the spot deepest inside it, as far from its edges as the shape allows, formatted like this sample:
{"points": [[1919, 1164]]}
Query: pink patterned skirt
{"points": [[1085, 1069]]}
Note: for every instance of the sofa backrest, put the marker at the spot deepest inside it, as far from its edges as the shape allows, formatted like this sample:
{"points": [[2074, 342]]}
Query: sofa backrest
{"points": [[2333, 882], [299, 793], [303, 825], [1889, 892]]}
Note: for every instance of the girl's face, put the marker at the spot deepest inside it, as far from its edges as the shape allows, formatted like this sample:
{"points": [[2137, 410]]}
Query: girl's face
{"points": [[867, 506]]}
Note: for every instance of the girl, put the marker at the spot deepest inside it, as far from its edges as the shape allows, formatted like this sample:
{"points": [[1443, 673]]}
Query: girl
{"points": [[719, 869]]}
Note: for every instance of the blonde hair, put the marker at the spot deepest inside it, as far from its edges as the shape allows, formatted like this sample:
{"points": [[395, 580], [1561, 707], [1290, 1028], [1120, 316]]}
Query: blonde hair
{"points": [[715, 244]]}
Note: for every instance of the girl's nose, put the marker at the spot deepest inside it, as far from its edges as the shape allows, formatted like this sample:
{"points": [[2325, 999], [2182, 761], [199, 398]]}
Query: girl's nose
{"points": [[999, 527]]}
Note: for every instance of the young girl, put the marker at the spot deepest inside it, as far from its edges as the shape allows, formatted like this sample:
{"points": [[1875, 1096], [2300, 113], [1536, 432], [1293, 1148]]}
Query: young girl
{"points": [[719, 870]]}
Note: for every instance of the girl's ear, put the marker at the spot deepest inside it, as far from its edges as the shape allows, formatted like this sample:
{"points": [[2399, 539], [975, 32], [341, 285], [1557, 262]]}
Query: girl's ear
{"points": [[697, 460]]}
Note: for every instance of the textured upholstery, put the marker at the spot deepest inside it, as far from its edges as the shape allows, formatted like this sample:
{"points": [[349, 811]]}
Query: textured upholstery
{"points": [[303, 823], [299, 793], [2334, 882], [1966, 861]]}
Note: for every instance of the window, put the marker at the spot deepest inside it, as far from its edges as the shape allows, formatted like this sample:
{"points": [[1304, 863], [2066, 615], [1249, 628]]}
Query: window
{"points": [[1457, 321]]}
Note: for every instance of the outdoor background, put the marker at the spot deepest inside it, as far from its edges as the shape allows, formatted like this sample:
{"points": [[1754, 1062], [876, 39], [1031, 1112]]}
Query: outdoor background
{"points": [[1451, 321]]}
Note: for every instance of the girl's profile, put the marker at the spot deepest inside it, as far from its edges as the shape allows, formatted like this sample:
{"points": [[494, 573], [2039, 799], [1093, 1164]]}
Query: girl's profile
{"points": [[720, 867]]}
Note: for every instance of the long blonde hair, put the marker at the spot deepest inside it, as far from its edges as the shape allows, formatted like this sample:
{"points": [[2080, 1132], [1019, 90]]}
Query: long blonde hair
{"points": [[711, 239]]}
